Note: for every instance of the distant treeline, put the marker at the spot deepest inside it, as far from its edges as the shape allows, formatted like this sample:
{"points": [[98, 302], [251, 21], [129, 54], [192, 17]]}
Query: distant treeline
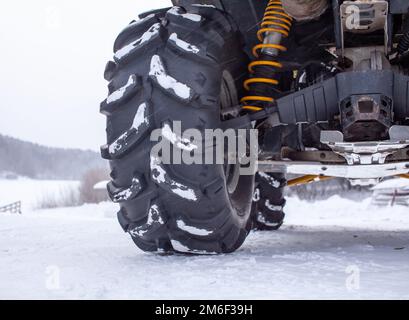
{"points": [[39, 162]]}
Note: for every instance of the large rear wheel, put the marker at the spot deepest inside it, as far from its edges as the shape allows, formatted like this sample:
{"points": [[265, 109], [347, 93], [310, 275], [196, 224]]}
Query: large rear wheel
{"points": [[175, 66]]}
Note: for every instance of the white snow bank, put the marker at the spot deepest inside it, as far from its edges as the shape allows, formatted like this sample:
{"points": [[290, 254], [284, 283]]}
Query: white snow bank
{"points": [[31, 192], [102, 185], [85, 250], [340, 212], [104, 210], [392, 184]]}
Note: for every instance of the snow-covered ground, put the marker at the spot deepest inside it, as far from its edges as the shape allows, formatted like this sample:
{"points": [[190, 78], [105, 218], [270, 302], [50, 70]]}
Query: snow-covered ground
{"points": [[334, 248], [33, 192]]}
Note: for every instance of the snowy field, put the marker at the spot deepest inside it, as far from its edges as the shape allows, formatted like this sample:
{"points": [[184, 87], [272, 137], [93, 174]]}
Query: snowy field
{"points": [[332, 249], [33, 192]]}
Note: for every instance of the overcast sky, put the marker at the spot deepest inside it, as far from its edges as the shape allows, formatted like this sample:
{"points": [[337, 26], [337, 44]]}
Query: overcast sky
{"points": [[52, 57]]}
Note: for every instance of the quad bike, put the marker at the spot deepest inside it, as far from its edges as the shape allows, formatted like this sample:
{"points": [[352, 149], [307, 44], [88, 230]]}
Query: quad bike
{"points": [[326, 83]]}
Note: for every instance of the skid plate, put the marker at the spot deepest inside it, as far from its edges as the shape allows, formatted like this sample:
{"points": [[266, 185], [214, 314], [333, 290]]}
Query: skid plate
{"points": [[370, 171]]}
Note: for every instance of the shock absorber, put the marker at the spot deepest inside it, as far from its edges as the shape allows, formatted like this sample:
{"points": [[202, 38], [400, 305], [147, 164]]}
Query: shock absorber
{"points": [[275, 26]]}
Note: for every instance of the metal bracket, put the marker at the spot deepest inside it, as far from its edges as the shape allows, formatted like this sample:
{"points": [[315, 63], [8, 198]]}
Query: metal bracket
{"points": [[373, 171], [244, 121], [365, 153], [365, 160]]}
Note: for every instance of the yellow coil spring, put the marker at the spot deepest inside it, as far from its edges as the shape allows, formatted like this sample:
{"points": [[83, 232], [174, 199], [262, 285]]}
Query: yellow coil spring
{"points": [[275, 20]]}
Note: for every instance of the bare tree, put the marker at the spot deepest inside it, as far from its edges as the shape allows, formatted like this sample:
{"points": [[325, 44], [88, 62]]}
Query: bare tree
{"points": [[87, 192]]}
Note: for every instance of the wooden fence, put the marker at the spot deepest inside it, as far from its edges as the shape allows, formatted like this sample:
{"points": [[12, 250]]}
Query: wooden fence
{"points": [[12, 207], [383, 198]]}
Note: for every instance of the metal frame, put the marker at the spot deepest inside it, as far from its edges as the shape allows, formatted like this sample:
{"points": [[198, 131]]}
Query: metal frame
{"points": [[367, 152], [372, 171], [364, 160]]}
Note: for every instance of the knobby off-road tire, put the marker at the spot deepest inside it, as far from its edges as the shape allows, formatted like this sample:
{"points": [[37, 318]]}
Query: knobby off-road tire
{"points": [[171, 66], [268, 201]]}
